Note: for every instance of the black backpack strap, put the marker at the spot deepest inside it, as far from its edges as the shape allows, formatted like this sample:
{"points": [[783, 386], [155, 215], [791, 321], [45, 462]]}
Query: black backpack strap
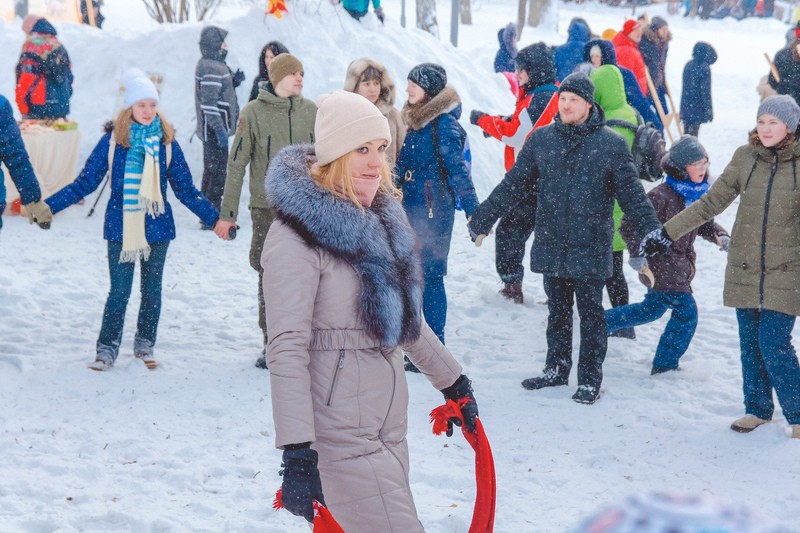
{"points": [[619, 123]]}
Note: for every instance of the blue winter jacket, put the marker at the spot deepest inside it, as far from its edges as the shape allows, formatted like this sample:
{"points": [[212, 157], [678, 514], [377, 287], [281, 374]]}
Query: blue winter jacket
{"points": [[696, 94], [633, 93], [14, 156], [504, 59], [570, 54], [160, 228], [429, 198]]}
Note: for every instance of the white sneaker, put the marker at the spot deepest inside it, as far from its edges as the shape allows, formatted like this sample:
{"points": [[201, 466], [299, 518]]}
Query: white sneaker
{"points": [[747, 423]]}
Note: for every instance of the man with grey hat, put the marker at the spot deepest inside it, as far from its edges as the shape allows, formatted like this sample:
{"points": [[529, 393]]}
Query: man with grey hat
{"points": [[276, 118], [577, 167]]}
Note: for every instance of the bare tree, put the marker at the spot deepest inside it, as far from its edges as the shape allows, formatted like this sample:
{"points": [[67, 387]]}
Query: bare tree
{"points": [[536, 10], [426, 16], [522, 8], [466, 12], [178, 10]]}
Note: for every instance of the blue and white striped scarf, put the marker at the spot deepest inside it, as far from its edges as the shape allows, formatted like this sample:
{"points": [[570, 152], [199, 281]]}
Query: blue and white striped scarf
{"points": [[141, 193]]}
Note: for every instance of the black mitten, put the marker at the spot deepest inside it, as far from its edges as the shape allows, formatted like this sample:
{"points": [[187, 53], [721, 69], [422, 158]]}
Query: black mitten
{"points": [[462, 388], [655, 243], [475, 116], [301, 484], [237, 78]]}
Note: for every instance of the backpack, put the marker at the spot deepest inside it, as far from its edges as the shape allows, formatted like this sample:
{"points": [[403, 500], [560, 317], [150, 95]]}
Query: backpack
{"points": [[648, 147], [466, 154]]}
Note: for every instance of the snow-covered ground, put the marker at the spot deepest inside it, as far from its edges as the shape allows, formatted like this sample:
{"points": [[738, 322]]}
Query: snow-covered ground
{"points": [[190, 447]]}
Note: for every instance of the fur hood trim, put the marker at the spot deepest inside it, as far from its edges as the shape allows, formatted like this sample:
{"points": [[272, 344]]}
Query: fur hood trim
{"points": [[417, 116], [377, 242], [388, 92]]}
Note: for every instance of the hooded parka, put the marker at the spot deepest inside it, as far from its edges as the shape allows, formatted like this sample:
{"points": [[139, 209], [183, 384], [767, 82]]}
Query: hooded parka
{"points": [[385, 103], [696, 107], [339, 305], [763, 269], [214, 95]]}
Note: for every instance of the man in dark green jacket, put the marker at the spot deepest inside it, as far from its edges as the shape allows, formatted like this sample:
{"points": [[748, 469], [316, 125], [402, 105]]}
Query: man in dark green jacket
{"points": [[267, 124]]}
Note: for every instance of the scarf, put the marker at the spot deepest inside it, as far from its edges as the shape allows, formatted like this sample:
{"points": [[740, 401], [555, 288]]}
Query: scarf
{"points": [[690, 191], [141, 193]]}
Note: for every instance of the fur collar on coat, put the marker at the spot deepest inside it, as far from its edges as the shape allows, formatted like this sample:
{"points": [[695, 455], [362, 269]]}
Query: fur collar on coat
{"points": [[417, 116], [378, 243]]}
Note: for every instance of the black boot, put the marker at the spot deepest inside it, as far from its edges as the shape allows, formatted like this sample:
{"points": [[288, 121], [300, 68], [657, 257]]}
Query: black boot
{"points": [[624, 333], [551, 377], [513, 292], [586, 394]]}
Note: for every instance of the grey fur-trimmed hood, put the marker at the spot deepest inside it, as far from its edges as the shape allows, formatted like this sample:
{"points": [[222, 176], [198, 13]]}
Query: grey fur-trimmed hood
{"points": [[377, 242]]}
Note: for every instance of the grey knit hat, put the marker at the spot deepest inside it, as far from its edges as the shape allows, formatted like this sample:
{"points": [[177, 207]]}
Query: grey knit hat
{"points": [[580, 84], [783, 107], [686, 151]]}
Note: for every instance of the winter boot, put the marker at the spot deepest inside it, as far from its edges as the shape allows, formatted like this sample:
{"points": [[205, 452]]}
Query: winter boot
{"points": [[656, 370], [586, 394], [624, 333], [409, 366], [261, 362], [513, 292], [747, 423], [551, 377]]}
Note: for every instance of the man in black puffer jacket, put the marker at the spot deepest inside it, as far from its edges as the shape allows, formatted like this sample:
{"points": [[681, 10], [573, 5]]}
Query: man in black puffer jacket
{"points": [[577, 167]]}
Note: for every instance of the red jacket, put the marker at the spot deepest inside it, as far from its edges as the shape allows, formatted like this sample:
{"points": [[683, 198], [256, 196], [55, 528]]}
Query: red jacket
{"points": [[629, 56], [515, 131]]}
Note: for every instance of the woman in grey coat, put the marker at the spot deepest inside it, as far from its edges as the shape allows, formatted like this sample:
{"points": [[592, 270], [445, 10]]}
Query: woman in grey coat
{"points": [[343, 294]]}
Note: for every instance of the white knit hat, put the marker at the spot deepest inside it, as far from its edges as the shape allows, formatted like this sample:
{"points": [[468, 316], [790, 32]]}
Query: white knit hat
{"points": [[137, 87], [344, 122]]}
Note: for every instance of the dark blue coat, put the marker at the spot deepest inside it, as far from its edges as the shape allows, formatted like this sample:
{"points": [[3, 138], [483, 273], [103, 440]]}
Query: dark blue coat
{"points": [[504, 59], [160, 228], [14, 156], [696, 94], [633, 93], [430, 198], [570, 54]]}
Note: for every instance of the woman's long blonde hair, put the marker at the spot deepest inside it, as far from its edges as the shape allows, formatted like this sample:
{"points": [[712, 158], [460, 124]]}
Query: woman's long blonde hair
{"points": [[122, 128], [337, 177]]}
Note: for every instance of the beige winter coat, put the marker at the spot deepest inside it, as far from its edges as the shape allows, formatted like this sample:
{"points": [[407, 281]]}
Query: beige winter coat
{"points": [[763, 269], [332, 383], [385, 103]]}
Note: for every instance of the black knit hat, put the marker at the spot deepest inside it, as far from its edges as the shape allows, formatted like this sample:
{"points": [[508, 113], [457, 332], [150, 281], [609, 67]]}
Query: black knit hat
{"points": [[537, 61], [681, 154], [580, 84], [431, 77]]}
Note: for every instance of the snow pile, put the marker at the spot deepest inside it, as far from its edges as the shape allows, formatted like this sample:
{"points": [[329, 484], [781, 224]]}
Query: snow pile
{"points": [[190, 447]]}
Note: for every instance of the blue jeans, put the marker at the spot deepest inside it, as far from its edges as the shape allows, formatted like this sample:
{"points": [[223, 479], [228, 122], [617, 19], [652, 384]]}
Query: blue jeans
{"points": [[121, 275], [434, 304], [679, 331], [769, 361]]}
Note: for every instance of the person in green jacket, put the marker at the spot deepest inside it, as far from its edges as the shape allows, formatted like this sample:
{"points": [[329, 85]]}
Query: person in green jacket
{"points": [[609, 93], [267, 124], [763, 272]]}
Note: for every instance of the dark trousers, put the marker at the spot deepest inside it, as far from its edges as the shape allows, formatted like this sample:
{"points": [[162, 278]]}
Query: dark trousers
{"points": [[215, 164], [262, 220], [616, 285], [513, 232], [769, 361], [434, 304], [589, 296], [691, 129], [121, 275], [679, 331]]}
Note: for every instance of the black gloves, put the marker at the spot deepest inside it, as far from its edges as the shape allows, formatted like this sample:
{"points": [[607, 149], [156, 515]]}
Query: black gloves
{"points": [[475, 116], [237, 77], [380, 14], [301, 483], [462, 388], [655, 243], [477, 227]]}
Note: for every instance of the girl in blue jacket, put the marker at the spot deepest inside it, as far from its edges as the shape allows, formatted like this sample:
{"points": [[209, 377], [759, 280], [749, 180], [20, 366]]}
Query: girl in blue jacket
{"points": [[435, 179], [138, 220]]}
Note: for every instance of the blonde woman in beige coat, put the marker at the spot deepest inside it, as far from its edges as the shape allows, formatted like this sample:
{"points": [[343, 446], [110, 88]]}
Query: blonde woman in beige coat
{"points": [[371, 80], [343, 296]]}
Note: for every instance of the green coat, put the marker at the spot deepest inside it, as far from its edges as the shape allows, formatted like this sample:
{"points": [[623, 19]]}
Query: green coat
{"points": [[609, 93], [266, 125], [763, 269]]}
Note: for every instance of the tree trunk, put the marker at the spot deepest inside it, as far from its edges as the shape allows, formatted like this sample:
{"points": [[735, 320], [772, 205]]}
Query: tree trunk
{"points": [[537, 9], [466, 12], [521, 11], [426, 17]]}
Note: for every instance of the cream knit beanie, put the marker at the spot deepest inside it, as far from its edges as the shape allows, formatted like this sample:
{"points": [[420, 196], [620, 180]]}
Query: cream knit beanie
{"points": [[344, 122]]}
